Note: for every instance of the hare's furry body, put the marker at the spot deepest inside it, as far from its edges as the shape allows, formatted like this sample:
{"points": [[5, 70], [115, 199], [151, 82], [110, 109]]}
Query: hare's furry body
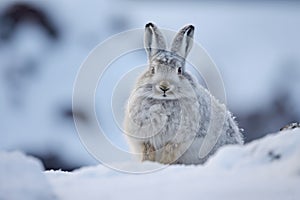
{"points": [[168, 125]]}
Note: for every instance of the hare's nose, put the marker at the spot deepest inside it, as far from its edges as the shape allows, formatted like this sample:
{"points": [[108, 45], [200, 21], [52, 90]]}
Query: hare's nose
{"points": [[164, 86]]}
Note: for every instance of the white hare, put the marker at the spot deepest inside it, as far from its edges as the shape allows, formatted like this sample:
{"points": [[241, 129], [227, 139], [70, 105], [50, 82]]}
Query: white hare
{"points": [[170, 118]]}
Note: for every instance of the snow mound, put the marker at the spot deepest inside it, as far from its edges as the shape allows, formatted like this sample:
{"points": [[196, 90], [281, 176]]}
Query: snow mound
{"points": [[279, 152], [21, 177], [268, 168]]}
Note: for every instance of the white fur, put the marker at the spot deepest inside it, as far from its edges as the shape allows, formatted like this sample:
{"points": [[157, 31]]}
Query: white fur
{"points": [[170, 117]]}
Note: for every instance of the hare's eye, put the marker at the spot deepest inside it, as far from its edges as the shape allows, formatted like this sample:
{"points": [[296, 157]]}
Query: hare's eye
{"points": [[179, 70], [152, 70]]}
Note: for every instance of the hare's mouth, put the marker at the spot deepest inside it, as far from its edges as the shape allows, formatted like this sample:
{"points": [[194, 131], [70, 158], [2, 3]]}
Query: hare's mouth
{"points": [[164, 96]]}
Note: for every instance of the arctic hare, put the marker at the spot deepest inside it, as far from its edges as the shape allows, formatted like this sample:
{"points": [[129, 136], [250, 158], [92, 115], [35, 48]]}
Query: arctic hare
{"points": [[170, 118]]}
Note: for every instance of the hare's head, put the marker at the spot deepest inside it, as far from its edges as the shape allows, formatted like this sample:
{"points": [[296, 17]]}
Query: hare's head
{"points": [[166, 77]]}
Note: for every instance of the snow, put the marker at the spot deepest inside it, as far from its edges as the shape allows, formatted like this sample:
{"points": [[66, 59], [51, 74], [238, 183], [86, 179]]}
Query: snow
{"points": [[21, 177], [267, 168]]}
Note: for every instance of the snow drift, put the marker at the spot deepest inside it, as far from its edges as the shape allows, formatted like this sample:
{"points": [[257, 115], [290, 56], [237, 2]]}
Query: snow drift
{"points": [[268, 168]]}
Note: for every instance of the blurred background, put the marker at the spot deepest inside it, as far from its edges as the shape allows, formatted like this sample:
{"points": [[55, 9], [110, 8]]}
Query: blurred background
{"points": [[255, 44]]}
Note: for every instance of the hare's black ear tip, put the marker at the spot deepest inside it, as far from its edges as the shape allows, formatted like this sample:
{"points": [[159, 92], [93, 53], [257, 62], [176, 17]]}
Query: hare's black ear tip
{"points": [[149, 24], [191, 27]]}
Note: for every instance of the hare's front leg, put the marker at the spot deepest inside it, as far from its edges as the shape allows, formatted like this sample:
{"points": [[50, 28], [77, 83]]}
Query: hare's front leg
{"points": [[170, 153], [148, 152]]}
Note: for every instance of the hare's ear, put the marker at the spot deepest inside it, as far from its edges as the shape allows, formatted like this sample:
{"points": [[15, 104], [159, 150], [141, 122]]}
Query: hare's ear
{"points": [[183, 41], [154, 40]]}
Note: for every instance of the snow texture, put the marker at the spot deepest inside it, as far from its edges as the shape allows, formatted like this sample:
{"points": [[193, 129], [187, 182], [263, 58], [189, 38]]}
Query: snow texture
{"points": [[21, 177], [268, 168]]}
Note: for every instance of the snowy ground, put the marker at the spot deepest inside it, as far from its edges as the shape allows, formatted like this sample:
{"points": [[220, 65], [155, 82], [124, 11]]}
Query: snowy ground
{"points": [[268, 168]]}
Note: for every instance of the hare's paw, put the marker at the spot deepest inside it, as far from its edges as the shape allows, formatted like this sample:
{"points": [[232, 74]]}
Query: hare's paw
{"points": [[169, 153], [148, 152]]}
